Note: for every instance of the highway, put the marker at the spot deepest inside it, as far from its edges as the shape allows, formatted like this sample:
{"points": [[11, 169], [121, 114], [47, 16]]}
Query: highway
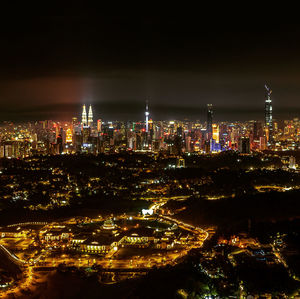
{"points": [[280, 258], [11, 256], [181, 224], [126, 270]]}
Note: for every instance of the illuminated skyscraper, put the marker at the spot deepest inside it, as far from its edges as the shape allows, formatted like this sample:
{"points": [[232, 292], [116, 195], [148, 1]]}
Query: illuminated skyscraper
{"points": [[292, 162], [268, 115], [209, 121], [69, 136], [147, 117], [84, 116], [216, 133], [99, 125], [90, 116], [74, 121]]}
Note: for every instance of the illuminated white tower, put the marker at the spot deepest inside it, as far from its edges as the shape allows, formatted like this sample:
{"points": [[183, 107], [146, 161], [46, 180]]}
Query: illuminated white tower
{"points": [[90, 116], [84, 116], [147, 117]]}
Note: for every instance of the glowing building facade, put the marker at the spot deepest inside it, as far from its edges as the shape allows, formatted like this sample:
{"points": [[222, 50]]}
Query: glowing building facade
{"points": [[216, 133], [69, 136], [84, 116], [90, 117], [99, 125]]}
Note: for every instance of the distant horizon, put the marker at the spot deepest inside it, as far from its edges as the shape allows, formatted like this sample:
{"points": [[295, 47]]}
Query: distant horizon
{"points": [[134, 111]]}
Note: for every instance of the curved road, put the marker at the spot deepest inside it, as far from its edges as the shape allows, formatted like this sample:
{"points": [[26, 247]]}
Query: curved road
{"points": [[11, 256]]}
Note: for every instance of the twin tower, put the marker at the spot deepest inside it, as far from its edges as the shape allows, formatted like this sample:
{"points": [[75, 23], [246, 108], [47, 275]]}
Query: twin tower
{"points": [[87, 119]]}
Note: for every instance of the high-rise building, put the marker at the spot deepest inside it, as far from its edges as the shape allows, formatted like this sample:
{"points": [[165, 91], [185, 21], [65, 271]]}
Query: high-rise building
{"points": [[147, 117], [257, 130], [262, 143], [59, 142], [180, 162], [216, 133], [188, 140], [74, 121], [244, 145], [292, 162], [268, 115], [209, 121], [99, 125], [69, 136], [90, 117], [86, 133], [84, 116]]}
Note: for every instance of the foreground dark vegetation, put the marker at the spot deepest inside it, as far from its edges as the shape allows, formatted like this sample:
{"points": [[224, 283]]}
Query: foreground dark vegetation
{"points": [[238, 211]]}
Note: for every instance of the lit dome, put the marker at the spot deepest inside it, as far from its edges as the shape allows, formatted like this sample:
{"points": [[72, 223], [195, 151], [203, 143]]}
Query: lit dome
{"points": [[108, 224]]}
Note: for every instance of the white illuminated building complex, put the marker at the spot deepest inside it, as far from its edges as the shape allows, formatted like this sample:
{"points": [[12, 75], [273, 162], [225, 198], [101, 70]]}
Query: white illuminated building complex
{"points": [[90, 116], [84, 116]]}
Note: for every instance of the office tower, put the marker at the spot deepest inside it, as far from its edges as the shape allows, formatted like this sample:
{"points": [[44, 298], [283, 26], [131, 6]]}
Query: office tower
{"points": [[74, 121], [292, 162], [268, 115], [180, 162], [156, 145], [90, 117], [56, 128], [86, 133], [131, 141], [99, 125], [59, 142], [262, 143], [188, 140], [257, 130], [216, 133], [150, 125], [138, 141], [179, 131], [84, 116], [209, 121], [69, 136], [207, 147], [147, 117], [244, 145]]}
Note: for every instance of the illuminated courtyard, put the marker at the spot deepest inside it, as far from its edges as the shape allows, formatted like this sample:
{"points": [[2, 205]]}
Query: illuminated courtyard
{"points": [[116, 247]]}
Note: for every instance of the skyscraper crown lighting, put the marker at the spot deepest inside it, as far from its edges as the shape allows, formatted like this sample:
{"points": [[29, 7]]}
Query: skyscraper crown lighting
{"points": [[90, 116], [84, 116]]}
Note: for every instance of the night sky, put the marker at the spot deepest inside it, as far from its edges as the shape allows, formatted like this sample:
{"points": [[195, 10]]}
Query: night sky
{"points": [[51, 65]]}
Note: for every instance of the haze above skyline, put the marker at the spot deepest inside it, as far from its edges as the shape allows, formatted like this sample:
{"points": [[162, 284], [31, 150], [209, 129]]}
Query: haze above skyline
{"points": [[51, 65]]}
